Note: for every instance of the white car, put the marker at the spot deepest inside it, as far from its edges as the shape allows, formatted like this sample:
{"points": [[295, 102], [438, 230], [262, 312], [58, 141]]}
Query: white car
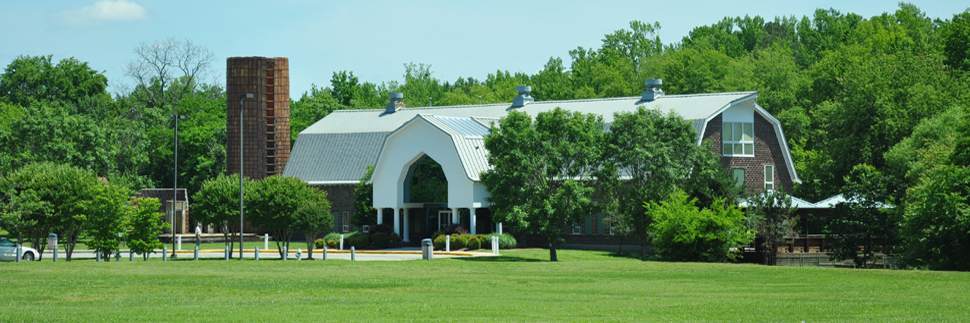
{"points": [[8, 251]]}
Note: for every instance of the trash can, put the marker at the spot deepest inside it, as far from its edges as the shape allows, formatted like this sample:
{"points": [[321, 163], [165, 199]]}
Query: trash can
{"points": [[52, 242], [427, 249]]}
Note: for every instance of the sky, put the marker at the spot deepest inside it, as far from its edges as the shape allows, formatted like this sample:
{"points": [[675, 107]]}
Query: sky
{"points": [[373, 39]]}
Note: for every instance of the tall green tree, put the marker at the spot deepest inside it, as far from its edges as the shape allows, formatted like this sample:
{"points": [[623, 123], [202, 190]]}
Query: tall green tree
{"points": [[937, 221], [542, 178], [217, 204], [314, 218], [145, 223], [70, 194], [364, 211], [28, 80], [649, 155], [47, 134], [19, 211], [954, 35], [276, 202], [104, 217], [773, 217], [863, 224]]}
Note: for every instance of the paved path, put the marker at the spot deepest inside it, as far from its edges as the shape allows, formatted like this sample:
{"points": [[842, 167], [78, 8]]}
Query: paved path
{"points": [[397, 254]]}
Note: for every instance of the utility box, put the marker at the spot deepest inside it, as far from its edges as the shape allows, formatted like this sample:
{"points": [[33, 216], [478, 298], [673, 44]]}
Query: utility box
{"points": [[427, 249], [52, 242]]}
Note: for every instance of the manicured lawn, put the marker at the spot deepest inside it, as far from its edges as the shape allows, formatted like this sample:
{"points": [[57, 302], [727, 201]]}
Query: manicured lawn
{"points": [[520, 286]]}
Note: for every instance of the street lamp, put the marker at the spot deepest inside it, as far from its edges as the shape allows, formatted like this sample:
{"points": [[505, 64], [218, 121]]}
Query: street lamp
{"points": [[241, 98], [175, 176]]}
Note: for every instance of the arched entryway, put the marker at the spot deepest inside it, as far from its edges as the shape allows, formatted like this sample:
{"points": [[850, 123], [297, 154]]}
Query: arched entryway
{"points": [[419, 159]]}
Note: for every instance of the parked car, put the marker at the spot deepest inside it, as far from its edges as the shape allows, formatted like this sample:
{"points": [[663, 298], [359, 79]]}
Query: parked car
{"points": [[8, 251]]}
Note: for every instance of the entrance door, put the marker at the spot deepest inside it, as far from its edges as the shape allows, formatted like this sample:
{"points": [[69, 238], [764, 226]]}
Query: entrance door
{"points": [[444, 219]]}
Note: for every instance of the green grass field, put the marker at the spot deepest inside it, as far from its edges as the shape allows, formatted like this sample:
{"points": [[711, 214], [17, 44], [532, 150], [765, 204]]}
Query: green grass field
{"points": [[519, 286]]}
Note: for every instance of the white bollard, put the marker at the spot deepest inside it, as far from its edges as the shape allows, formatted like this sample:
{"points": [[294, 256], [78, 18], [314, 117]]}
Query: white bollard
{"points": [[165, 253], [448, 243], [299, 254], [286, 253], [196, 252], [341, 242], [131, 256], [179, 248], [266, 241], [227, 253], [257, 252], [20, 252], [353, 255], [495, 245], [324, 253]]}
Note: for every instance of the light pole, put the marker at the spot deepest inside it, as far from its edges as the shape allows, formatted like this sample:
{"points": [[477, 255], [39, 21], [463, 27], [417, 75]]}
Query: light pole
{"points": [[175, 177], [241, 98]]}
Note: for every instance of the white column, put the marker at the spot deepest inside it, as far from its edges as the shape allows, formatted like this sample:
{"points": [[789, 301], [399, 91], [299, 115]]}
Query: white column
{"points": [[380, 217], [406, 227], [471, 220], [397, 221], [454, 215], [498, 227]]}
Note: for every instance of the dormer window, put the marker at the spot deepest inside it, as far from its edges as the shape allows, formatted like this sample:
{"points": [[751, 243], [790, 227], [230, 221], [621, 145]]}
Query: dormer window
{"points": [[737, 139]]}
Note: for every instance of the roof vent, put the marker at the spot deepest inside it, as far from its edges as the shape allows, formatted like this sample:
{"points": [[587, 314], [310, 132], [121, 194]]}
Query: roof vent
{"points": [[653, 90], [523, 98], [395, 103]]}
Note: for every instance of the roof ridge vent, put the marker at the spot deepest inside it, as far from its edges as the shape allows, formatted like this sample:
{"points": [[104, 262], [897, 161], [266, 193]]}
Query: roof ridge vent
{"points": [[653, 90], [396, 103], [524, 97]]}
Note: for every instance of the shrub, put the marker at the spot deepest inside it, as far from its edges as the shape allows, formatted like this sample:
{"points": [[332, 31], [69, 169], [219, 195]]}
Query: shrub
{"points": [[381, 228], [383, 240], [336, 236], [436, 234], [484, 240], [333, 244], [439, 242], [358, 241], [473, 243], [505, 240], [683, 232], [455, 229], [319, 243], [458, 241]]}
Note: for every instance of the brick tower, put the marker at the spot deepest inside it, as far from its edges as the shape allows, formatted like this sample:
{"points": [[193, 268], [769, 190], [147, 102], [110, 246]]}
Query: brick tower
{"points": [[266, 117]]}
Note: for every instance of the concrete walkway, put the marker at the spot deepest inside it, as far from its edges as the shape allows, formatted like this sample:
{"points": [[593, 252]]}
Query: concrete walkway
{"points": [[396, 254]]}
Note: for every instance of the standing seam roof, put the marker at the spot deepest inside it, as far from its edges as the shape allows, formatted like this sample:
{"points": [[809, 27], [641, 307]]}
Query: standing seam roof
{"points": [[339, 147]]}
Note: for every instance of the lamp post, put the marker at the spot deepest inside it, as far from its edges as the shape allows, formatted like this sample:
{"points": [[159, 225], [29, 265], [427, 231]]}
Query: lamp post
{"points": [[175, 176], [241, 98]]}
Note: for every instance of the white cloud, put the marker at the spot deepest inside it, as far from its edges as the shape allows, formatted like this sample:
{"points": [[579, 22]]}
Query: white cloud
{"points": [[104, 11]]}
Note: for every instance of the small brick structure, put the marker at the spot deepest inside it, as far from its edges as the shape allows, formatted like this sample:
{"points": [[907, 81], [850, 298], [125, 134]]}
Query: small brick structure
{"points": [[164, 195]]}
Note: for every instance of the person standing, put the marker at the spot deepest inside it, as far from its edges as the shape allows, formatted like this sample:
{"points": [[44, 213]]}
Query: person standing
{"points": [[198, 234]]}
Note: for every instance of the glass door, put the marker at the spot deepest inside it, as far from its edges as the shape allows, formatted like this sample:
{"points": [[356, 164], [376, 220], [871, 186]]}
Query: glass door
{"points": [[444, 219]]}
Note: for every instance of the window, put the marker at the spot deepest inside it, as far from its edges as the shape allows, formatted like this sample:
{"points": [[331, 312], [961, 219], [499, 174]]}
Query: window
{"points": [[737, 139], [769, 177], [577, 229], [738, 176], [345, 220]]}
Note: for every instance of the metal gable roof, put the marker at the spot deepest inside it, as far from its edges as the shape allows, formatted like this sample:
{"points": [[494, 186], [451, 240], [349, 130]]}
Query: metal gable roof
{"points": [[338, 148], [691, 107], [468, 127], [333, 158]]}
